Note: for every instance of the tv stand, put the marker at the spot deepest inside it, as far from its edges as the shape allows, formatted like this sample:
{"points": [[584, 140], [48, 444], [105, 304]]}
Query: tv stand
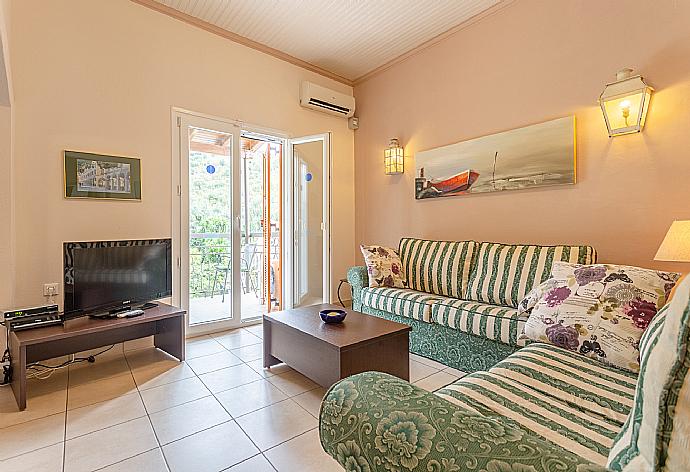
{"points": [[165, 323]]}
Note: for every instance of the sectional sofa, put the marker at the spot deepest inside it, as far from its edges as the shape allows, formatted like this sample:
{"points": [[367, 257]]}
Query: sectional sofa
{"points": [[462, 296], [541, 408]]}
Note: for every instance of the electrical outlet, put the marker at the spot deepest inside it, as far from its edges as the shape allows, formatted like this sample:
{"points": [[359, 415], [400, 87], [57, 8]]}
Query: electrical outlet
{"points": [[51, 289]]}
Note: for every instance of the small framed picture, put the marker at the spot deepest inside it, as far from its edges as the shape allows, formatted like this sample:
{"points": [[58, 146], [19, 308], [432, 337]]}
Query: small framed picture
{"points": [[89, 175]]}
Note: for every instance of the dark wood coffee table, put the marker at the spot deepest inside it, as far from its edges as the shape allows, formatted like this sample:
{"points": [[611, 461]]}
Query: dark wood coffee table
{"points": [[327, 353]]}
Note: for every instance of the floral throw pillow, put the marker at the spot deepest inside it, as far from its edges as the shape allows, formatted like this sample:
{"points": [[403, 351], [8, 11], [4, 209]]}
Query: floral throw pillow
{"points": [[528, 303], [384, 267], [599, 310]]}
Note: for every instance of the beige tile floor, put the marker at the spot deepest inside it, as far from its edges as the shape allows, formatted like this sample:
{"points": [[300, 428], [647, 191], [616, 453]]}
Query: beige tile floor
{"points": [[137, 409]]}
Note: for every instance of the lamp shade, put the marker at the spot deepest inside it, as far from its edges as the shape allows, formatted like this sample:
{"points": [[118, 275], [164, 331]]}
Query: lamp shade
{"points": [[625, 103], [676, 245]]}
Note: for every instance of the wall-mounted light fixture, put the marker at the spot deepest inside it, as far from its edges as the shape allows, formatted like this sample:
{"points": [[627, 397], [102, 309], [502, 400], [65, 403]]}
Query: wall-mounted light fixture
{"points": [[624, 103], [394, 158]]}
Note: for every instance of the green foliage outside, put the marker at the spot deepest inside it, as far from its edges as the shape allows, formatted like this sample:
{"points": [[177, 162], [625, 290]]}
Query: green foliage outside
{"points": [[210, 211]]}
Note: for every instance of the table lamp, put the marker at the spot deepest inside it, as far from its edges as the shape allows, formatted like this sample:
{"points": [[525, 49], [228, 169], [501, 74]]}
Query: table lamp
{"points": [[676, 245]]}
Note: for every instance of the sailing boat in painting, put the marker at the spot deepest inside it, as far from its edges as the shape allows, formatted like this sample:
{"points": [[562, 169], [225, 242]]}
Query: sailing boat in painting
{"points": [[454, 185], [534, 156]]}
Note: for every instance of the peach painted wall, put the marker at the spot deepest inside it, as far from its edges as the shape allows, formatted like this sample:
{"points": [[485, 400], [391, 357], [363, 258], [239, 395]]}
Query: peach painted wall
{"points": [[6, 169], [102, 75], [533, 61], [6, 225]]}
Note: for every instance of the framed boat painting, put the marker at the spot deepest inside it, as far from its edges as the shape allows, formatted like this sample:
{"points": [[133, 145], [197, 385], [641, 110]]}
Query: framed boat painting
{"points": [[89, 175], [534, 156]]}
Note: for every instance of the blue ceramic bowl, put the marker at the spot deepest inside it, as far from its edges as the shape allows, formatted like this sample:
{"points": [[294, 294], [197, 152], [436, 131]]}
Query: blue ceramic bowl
{"points": [[333, 316]]}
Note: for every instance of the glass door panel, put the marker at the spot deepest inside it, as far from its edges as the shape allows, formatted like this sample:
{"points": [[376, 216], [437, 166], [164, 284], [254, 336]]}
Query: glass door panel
{"points": [[311, 216], [208, 194], [260, 225], [210, 225]]}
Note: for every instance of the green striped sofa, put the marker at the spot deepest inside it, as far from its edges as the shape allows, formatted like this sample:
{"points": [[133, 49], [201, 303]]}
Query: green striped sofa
{"points": [[463, 296], [543, 408]]}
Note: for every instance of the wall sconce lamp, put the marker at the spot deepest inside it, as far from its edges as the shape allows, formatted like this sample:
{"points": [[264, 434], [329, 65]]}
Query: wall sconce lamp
{"points": [[394, 158], [624, 103]]}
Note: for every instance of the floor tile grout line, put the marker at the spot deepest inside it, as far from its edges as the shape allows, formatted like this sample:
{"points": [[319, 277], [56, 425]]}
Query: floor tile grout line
{"points": [[132, 457], [46, 446], [148, 416], [269, 462], [211, 394], [267, 406], [245, 460], [239, 425], [287, 440], [278, 444], [24, 421], [106, 427], [248, 437], [231, 420]]}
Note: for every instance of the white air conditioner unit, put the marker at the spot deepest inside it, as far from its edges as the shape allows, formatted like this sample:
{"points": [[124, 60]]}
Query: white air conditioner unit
{"points": [[326, 100]]}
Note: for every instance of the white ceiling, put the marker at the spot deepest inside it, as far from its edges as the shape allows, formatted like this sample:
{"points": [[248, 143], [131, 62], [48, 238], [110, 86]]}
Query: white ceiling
{"points": [[347, 37]]}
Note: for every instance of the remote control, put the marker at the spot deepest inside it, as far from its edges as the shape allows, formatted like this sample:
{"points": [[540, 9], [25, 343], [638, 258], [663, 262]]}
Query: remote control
{"points": [[130, 313]]}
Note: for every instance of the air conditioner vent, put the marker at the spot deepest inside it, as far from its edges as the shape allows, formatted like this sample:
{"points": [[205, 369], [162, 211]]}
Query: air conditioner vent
{"points": [[325, 100], [330, 106]]}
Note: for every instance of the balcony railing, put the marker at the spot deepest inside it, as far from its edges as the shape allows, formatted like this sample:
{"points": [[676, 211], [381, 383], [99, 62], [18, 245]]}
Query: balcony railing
{"points": [[210, 265]]}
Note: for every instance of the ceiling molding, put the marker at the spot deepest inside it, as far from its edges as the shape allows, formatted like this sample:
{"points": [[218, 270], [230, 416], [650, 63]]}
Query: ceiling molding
{"points": [[178, 15], [433, 41]]}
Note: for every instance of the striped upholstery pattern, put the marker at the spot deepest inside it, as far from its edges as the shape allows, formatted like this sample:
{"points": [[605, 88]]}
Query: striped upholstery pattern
{"points": [[569, 400], [399, 301], [557, 372], [656, 435], [503, 274], [439, 267], [499, 323]]}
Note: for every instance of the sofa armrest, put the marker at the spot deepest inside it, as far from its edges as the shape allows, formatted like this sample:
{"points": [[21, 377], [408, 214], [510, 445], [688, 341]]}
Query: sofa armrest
{"points": [[358, 278], [378, 423]]}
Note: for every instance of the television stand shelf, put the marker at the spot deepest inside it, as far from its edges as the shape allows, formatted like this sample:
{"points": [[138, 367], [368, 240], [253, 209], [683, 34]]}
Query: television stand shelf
{"points": [[165, 323]]}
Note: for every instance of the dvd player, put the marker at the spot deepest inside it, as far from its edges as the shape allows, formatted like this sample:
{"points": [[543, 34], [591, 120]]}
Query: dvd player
{"points": [[37, 317]]}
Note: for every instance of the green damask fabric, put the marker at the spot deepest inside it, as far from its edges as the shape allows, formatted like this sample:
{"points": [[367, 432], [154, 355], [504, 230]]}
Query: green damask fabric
{"points": [[448, 346], [438, 267], [358, 278], [374, 422], [503, 274]]}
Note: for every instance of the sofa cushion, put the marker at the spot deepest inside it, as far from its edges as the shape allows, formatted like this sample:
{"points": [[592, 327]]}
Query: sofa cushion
{"points": [[495, 322], [599, 310], [399, 301], [383, 266], [504, 274], [655, 435], [533, 390], [438, 267]]}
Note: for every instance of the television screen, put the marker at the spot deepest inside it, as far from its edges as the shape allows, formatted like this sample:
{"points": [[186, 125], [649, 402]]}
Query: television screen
{"points": [[105, 275]]}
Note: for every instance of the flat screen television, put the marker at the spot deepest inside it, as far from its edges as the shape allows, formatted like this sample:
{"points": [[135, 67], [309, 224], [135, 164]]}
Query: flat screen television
{"points": [[106, 276]]}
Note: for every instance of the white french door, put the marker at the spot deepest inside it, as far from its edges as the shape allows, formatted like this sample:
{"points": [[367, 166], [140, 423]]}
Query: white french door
{"points": [[206, 217], [237, 257], [311, 219]]}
